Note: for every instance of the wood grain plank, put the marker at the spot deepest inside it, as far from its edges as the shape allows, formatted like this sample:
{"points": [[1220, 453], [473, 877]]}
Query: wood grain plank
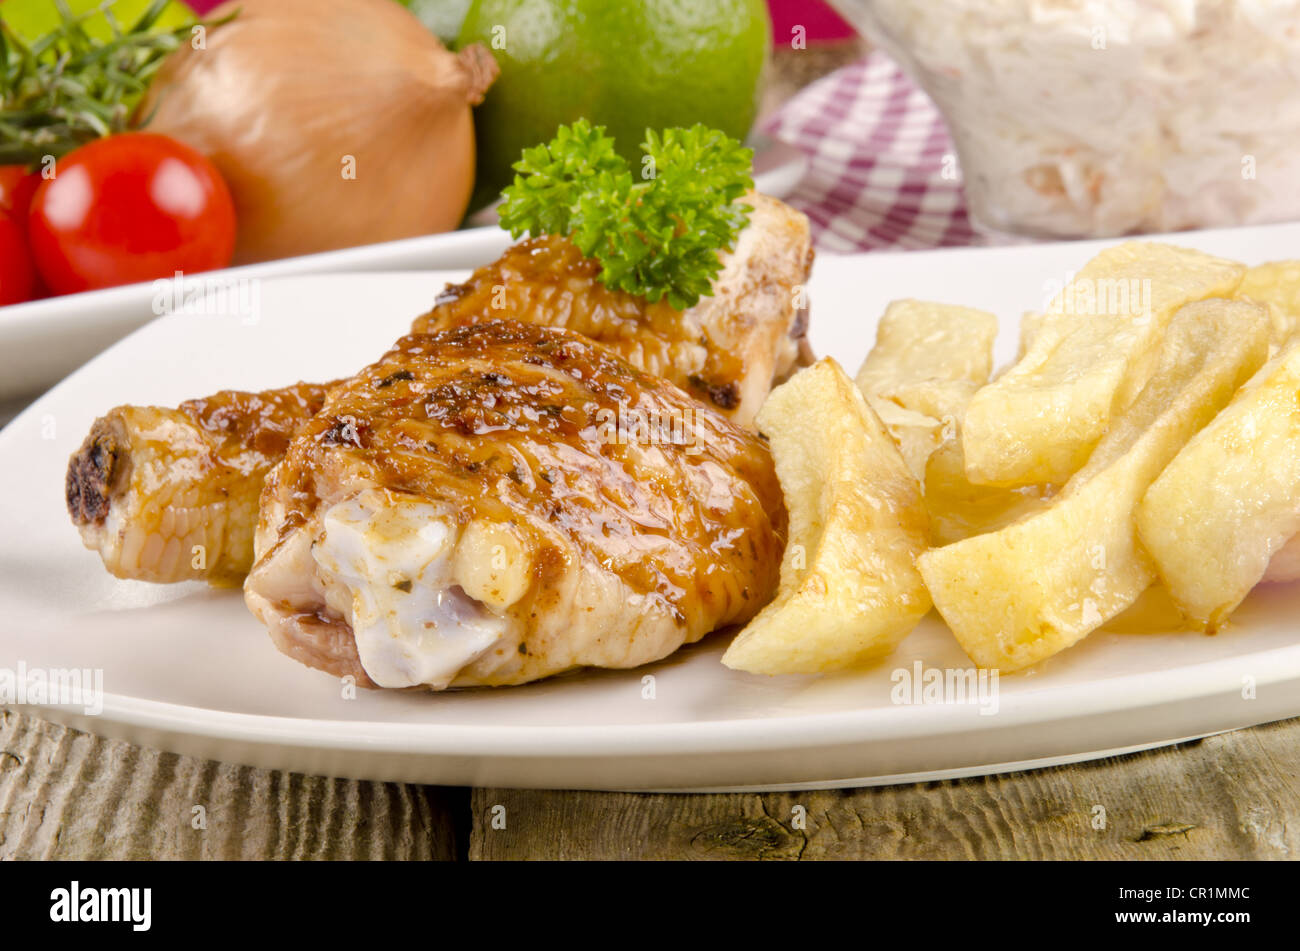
{"points": [[1234, 796], [65, 794]]}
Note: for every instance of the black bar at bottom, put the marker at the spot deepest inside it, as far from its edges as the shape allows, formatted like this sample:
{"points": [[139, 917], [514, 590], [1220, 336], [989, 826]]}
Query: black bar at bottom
{"points": [[338, 900]]}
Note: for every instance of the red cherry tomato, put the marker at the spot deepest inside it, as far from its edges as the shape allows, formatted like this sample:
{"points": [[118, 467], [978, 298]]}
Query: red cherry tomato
{"points": [[131, 207], [17, 185], [17, 275]]}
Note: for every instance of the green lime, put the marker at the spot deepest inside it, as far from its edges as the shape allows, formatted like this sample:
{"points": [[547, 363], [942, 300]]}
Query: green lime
{"points": [[32, 19], [628, 66]]}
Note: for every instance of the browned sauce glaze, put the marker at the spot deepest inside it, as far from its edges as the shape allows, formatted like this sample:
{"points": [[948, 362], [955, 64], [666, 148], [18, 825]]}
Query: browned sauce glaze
{"points": [[517, 423], [263, 423], [547, 280]]}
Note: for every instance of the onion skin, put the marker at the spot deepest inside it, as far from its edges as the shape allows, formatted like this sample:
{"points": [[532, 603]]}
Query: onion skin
{"points": [[291, 95]]}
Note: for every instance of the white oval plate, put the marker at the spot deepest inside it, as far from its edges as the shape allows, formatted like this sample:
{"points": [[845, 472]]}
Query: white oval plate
{"points": [[42, 341], [187, 669]]}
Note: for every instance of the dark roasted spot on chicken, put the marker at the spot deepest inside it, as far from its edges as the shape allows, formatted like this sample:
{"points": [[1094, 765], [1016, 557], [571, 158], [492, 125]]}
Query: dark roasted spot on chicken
{"points": [[92, 472]]}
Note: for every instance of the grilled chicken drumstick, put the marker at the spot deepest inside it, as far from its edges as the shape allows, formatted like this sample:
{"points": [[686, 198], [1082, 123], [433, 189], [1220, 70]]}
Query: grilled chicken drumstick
{"points": [[150, 484], [171, 494], [500, 502]]}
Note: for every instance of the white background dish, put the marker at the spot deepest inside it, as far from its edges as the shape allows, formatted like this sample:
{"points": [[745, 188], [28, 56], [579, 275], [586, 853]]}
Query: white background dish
{"points": [[188, 669], [43, 341]]}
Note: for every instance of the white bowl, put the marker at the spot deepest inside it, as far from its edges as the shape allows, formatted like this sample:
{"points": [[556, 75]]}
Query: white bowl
{"points": [[1076, 118]]}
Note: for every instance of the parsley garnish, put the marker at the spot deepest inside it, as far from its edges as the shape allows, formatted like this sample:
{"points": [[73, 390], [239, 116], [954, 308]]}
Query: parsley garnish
{"points": [[657, 234]]}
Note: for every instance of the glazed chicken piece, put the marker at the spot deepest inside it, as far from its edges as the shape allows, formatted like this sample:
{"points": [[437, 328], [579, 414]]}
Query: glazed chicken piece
{"points": [[496, 503], [171, 494], [727, 350], [202, 483]]}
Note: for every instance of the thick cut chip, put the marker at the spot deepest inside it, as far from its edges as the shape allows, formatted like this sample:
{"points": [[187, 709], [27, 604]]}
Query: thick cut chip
{"points": [[1275, 287], [919, 344], [1231, 499], [849, 587], [1088, 358], [928, 361], [960, 509], [1016, 596], [931, 358], [1031, 322], [916, 434]]}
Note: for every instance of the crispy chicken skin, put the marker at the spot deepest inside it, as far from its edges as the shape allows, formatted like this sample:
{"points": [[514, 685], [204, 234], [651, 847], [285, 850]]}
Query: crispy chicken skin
{"points": [[727, 350], [496, 503], [171, 494], [196, 483]]}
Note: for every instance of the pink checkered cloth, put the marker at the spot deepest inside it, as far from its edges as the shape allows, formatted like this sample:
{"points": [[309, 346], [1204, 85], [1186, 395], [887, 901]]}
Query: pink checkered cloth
{"points": [[876, 146]]}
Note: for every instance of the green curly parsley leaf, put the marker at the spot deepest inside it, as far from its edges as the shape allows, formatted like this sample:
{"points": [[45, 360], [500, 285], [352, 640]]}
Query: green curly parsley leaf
{"points": [[552, 177], [657, 234]]}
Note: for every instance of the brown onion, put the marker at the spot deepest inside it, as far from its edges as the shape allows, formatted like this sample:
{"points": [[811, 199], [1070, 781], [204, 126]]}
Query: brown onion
{"points": [[293, 96]]}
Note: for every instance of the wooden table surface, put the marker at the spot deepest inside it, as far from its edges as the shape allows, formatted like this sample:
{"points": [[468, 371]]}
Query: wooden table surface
{"points": [[65, 794], [69, 795]]}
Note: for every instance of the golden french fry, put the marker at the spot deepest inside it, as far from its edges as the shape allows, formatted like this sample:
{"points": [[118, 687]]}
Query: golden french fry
{"points": [[959, 509], [920, 341], [928, 360], [1275, 287], [1094, 350], [849, 588], [1230, 500], [1031, 322], [916, 435], [1016, 596]]}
